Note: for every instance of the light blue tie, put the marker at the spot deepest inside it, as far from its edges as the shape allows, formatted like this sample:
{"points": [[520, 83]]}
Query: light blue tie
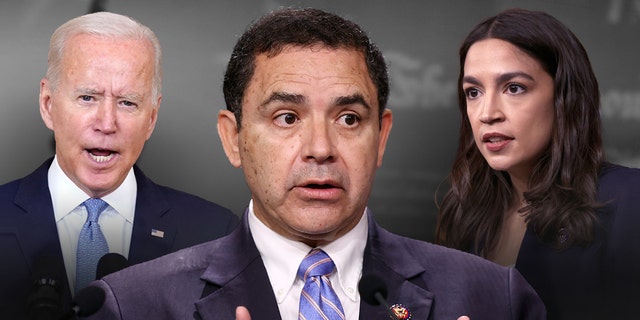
{"points": [[318, 300], [91, 244]]}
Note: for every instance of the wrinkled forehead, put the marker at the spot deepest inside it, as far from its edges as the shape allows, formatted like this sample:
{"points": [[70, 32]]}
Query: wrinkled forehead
{"points": [[313, 66]]}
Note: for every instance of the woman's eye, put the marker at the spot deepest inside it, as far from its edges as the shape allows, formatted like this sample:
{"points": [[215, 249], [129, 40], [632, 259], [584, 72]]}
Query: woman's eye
{"points": [[515, 89], [472, 93]]}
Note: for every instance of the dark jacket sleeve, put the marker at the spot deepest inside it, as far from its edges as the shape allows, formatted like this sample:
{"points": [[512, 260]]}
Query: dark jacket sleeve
{"points": [[525, 303]]}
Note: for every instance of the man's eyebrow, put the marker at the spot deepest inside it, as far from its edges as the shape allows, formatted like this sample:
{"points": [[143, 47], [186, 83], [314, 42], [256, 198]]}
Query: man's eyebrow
{"points": [[285, 97], [126, 96], [88, 91], [131, 97], [299, 99], [351, 99]]}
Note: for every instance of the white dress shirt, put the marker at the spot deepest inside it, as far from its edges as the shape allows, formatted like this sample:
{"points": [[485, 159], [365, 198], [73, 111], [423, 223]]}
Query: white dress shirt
{"points": [[283, 256], [116, 221]]}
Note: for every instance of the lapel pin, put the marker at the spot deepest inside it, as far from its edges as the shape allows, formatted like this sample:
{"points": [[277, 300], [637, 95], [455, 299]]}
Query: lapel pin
{"points": [[157, 233], [401, 312]]}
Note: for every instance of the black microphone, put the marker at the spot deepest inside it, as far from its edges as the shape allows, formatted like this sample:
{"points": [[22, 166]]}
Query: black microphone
{"points": [[110, 263], [86, 302], [91, 298], [45, 302], [373, 291]]}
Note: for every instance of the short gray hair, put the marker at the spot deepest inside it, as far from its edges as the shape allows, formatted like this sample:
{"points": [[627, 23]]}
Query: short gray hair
{"points": [[103, 24]]}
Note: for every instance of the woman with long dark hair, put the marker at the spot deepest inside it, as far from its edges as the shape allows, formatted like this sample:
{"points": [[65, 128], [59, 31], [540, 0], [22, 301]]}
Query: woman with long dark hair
{"points": [[529, 186]]}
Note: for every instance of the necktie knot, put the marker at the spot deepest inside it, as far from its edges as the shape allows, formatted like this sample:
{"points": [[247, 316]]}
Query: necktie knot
{"points": [[94, 207], [316, 263], [318, 300]]}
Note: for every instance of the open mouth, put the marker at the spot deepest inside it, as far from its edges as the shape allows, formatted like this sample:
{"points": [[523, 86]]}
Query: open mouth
{"points": [[495, 139], [101, 155]]}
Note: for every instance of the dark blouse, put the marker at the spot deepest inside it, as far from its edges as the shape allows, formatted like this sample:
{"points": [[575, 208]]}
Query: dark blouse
{"points": [[601, 281]]}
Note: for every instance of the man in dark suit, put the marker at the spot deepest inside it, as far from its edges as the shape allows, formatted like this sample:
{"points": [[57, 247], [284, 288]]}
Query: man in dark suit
{"points": [[100, 97], [306, 92]]}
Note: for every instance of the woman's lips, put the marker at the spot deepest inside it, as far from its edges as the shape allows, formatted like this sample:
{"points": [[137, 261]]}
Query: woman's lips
{"points": [[496, 141]]}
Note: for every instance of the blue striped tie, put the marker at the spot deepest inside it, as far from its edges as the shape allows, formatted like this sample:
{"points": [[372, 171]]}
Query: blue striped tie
{"points": [[91, 244], [318, 300]]}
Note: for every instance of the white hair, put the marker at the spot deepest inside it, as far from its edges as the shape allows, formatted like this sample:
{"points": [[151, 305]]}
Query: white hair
{"points": [[102, 24]]}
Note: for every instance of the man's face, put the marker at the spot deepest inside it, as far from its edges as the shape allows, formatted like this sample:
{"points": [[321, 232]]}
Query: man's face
{"points": [[101, 111], [310, 141]]}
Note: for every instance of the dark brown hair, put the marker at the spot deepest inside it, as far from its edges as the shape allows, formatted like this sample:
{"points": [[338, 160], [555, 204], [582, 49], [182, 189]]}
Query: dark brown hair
{"points": [[298, 27], [560, 202]]}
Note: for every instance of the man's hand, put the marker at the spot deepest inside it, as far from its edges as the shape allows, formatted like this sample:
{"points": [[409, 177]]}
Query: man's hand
{"points": [[242, 313]]}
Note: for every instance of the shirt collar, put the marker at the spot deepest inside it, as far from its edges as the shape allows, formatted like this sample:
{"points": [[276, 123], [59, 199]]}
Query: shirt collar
{"points": [[282, 256], [66, 195], [347, 252]]}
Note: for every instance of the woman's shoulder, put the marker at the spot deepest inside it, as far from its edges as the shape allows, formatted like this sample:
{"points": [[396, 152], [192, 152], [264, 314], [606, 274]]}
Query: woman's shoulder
{"points": [[614, 172], [618, 182]]}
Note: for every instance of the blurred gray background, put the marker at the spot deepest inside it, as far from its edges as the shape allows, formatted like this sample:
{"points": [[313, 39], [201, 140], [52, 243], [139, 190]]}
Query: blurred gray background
{"points": [[419, 39]]}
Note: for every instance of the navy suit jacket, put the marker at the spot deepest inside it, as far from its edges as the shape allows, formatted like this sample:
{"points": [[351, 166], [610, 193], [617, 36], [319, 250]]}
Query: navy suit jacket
{"points": [[601, 281], [28, 231], [208, 281]]}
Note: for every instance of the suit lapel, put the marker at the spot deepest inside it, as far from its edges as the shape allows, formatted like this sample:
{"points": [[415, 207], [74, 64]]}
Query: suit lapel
{"points": [[237, 271], [34, 198], [401, 291], [151, 237], [390, 261], [36, 232], [250, 288]]}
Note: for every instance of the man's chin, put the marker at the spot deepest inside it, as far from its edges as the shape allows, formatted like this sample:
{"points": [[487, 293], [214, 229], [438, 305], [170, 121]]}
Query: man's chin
{"points": [[100, 185]]}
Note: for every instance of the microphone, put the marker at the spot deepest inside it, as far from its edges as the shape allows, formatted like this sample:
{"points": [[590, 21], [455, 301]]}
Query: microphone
{"points": [[373, 291], [91, 298], [110, 263], [86, 302], [44, 302]]}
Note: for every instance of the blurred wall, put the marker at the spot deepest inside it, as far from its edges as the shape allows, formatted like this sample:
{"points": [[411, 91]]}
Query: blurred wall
{"points": [[419, 39]]}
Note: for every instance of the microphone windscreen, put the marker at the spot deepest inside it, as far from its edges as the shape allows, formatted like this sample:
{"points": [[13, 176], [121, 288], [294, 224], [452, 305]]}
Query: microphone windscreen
{"points": [[44, 301], [88, 300], [47, 268], [110, 263], [370, 285]]}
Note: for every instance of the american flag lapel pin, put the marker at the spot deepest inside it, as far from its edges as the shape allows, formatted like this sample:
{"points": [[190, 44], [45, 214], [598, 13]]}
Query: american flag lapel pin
{"points": [[157, 233], [400, 311]]}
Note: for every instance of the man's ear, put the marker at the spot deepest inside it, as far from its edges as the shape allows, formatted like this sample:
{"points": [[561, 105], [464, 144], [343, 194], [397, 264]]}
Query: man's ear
{"points": [[45, 102], [385, 129], [228, 132], [153, 117]]}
